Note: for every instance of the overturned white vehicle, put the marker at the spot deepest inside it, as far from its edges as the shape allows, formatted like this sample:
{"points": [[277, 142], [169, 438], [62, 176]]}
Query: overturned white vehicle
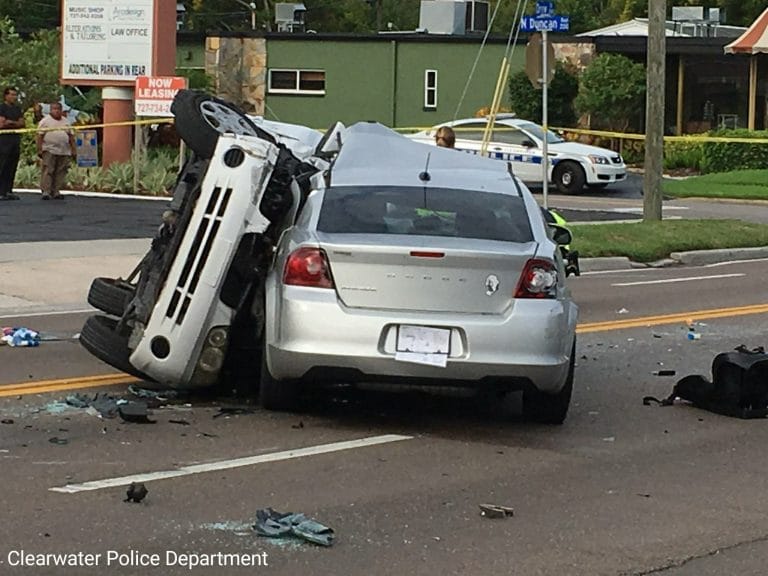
{"points": [[355, 257]]}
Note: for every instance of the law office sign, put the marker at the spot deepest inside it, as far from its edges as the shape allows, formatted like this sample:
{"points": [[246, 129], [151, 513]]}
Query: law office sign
{"points": [[112, 42]]}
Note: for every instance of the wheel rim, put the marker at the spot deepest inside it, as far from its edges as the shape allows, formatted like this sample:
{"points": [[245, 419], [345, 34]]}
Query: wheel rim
{"points": [[566, 178], [225, 120]]}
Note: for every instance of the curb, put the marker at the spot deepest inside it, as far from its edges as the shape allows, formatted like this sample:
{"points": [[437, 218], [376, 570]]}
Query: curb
{"points": [[688, 258]]}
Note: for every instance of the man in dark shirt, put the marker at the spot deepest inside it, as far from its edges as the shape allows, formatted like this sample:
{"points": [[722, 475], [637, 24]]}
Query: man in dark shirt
{"points": [[11, 117]]}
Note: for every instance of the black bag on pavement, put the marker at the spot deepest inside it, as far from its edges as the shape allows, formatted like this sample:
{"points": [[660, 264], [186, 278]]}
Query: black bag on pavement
{"points": [[739, 385]]}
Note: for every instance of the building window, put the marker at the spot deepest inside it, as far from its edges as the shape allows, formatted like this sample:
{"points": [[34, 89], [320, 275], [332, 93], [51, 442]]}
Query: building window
{"points": [[430, 89], [297, 81]]}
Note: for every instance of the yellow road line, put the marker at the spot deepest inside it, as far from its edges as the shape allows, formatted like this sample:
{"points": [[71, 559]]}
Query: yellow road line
{"points": [[82, 382], [679, 318], [59, 385]]}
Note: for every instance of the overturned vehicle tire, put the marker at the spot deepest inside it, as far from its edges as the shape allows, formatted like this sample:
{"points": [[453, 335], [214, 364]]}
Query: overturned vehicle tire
{"points": [[110, 295], [200, 118], [101, 338]]}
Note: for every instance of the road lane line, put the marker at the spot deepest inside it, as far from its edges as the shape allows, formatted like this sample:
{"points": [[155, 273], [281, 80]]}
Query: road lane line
{"points": [[230, 464], [673, 280], [77, 383], [81, 382], [678, 318]]}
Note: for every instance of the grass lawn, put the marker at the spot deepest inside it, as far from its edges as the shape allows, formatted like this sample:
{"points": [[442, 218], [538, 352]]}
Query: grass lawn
{"points": [[649, 241], [747, 184]]}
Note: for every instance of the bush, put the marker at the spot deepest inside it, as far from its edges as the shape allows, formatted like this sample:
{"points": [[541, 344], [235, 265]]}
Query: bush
{"points": [[526, 100], [158, 174], [612, 92], [683, 155], [728, 156]]}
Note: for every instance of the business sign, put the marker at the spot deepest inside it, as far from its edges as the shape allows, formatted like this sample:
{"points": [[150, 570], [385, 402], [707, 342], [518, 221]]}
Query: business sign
{"points": [[545, 23], [154, 94], [107, 40], [87, 148]]}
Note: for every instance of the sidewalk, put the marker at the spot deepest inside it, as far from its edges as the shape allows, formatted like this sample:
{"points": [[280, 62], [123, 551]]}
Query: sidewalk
{"points": [[55, 276]]}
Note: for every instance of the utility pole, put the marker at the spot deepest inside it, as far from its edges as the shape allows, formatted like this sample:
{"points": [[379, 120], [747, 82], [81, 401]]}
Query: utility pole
{"points": [[654, 110]]}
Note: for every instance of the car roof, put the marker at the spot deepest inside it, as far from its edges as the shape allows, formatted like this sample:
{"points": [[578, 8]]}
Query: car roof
{"points": [[373, 155], [501, 119]]}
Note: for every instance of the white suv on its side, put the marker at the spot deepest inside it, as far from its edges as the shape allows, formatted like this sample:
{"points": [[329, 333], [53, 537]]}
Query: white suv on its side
{"points": [[573, 165]]}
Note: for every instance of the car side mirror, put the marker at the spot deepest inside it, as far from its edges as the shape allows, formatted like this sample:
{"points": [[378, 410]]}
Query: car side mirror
{"points": [[529, 144], [562, 236]]}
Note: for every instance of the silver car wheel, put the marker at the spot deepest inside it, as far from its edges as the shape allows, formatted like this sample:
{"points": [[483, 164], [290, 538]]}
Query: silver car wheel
{"points": [[224, 119]]}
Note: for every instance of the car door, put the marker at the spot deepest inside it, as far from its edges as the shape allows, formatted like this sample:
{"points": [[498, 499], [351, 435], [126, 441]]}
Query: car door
{"points": [[519, 148]]}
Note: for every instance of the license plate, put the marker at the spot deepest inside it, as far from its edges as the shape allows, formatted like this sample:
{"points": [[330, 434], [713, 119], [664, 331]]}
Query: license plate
{"points": [[424, 340]]}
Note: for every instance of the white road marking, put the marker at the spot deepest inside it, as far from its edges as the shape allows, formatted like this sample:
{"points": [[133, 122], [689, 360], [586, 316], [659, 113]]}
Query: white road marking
{"points": [[639, 209], [229, 464], [673, 280], [22, 314]]}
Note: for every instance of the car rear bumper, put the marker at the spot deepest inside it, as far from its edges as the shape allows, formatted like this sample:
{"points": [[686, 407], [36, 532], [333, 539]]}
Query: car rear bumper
{"points": [[309, 329]]}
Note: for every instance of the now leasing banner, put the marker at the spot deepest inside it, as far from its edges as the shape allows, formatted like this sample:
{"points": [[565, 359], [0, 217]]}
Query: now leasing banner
{"points": [[154, 94]]}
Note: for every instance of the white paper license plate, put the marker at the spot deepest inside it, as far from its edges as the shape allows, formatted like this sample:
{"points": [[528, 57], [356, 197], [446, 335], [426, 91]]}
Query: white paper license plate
{"points": [[424, 340]]}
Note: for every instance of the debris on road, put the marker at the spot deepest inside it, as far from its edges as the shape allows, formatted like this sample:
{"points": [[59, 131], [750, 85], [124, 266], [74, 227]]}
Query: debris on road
{"points": [[272, 524], [664, 373], [58, 441], [19, 336], [136, 492], [6, 421], [739, 386], [227, 411], [495, 511], [179, 422], [135, 413], [159, 395], [622, 311]]}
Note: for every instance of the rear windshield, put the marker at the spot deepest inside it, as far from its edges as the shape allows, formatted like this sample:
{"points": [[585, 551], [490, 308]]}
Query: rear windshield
{"points": [[424, 212]]}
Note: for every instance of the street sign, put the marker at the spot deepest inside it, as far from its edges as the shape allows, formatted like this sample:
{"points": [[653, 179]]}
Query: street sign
{"points": [[87, 148], [545, 24], [544, 8], [534, 58], [154, 94]]}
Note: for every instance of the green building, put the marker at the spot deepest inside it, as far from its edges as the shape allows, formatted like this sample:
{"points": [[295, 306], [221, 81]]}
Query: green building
{"points": [[400, 80]]}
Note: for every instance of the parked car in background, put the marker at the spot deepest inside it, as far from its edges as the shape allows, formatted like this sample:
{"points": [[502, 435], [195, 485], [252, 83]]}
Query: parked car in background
{"points": [[573, 165]]}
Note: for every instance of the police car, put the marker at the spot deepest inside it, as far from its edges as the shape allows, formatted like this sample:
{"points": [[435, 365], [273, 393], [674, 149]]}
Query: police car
{"points": [[572, 165]]}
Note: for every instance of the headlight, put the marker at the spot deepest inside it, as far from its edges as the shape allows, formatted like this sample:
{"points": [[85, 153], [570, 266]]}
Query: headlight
{"points": [[598, 159]]}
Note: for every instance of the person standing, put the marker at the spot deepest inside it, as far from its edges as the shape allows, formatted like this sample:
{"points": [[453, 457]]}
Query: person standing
{"points": [[56, 147], [11, 117]]}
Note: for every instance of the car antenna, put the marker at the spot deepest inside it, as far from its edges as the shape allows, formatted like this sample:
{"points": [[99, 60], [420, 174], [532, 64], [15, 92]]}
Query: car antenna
{"points": [[425, 177]]}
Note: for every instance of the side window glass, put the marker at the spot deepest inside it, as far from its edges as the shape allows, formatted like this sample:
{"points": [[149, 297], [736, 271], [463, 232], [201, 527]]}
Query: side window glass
{"points": [[470, 131], [509, 135]]}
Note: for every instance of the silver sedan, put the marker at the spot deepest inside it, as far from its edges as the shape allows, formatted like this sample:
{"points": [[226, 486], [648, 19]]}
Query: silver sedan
{"points": [[419, 266]]}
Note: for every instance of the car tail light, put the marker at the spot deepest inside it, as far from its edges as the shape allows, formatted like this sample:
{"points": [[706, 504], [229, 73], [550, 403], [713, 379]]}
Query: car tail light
{"points": [[538, 280], [308, 267]]}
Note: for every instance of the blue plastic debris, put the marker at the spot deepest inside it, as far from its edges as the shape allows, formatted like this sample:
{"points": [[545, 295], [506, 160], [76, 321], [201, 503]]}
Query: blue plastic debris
{"points": [[20, 336]]}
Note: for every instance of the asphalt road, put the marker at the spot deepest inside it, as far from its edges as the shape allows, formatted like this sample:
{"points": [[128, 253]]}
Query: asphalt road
{"points": [[621, 488]]}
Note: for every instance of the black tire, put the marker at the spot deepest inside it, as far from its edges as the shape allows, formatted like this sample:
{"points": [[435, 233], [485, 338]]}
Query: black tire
{"points": [[100, 338], [200, 118], [568, 177], [551, 408], [277, 395], [110, 295]]}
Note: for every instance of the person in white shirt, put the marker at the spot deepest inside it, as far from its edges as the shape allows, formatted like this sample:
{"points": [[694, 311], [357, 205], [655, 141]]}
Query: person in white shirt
{"points": [[55, 147]]}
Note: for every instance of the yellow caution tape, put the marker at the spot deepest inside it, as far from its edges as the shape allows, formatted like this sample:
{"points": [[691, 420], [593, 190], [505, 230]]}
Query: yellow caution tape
{"points": [[80, 127]]}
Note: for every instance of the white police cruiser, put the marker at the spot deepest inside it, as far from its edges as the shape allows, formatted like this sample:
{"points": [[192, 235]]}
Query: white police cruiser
{"points": [[573, 165]]}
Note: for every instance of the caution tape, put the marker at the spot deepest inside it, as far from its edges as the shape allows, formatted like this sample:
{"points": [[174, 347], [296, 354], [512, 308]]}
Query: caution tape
{"points": [[603, 133], [81, 127]]}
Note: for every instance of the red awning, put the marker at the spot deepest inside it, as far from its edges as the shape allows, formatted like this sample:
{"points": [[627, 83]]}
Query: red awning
{"points": [[754, 40]]}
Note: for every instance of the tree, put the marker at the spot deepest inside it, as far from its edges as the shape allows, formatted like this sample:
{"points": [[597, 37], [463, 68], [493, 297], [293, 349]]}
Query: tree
{"points": [[612, 91], [30, 65], [525, 100]]}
